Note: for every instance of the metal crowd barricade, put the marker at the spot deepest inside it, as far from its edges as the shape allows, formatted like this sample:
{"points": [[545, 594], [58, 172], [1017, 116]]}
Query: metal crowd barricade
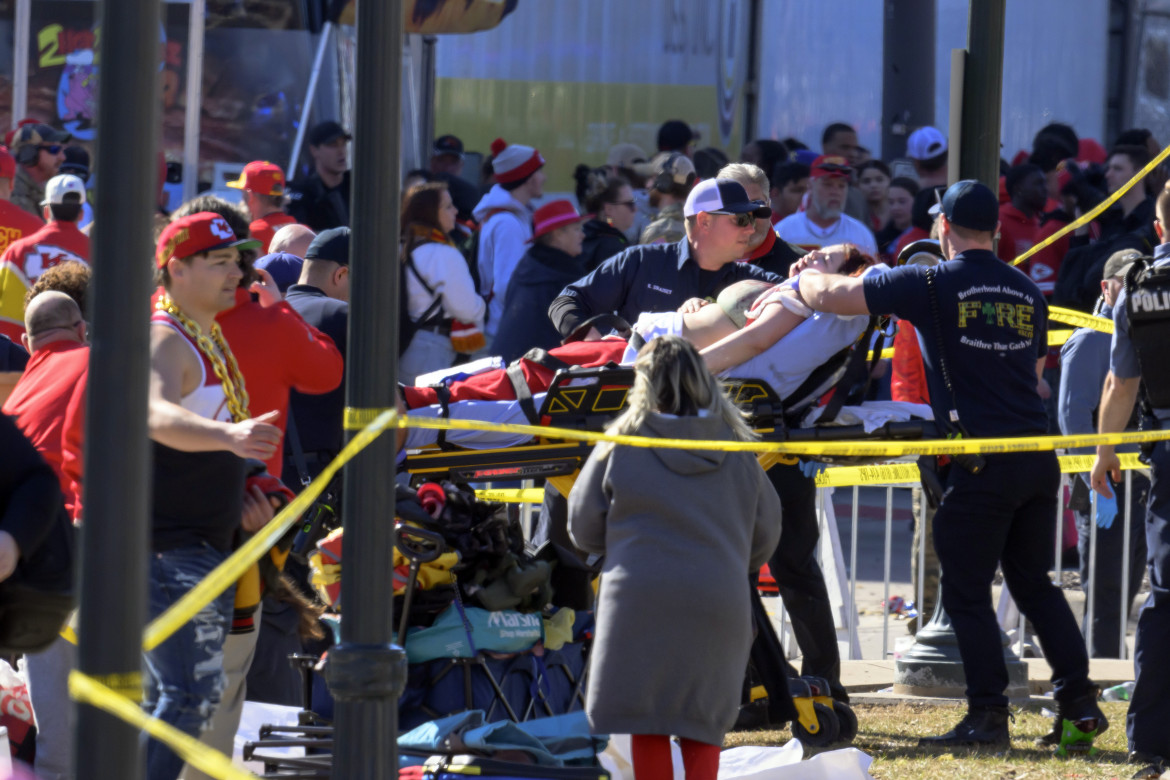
{"points": [[848, 594]]}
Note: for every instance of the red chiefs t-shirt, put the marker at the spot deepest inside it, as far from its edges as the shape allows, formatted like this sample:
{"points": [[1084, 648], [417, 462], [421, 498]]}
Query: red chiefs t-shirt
{"points": [[15, 224], [1017, 234], [53, 244], [265, 228], [52, 386]]}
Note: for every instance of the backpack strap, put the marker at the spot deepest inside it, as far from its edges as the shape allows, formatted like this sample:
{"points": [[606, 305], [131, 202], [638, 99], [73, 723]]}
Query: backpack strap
{"points": [[436, 306]]}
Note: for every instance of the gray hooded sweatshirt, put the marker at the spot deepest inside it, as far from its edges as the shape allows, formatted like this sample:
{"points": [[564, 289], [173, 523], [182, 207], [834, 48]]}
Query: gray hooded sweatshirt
{"points": [[680, 530]]}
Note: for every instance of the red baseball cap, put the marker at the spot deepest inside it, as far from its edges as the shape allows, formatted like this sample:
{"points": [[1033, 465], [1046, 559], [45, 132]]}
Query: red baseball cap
{"points": [[263, 178], [7, 164], [554, 214], [202, 232], [831, 165]]}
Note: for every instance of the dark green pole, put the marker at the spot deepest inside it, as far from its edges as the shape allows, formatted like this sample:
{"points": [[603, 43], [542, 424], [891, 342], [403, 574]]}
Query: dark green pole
{"points": [[907, 72], [366, 673], [983, 93], [113, 584]]}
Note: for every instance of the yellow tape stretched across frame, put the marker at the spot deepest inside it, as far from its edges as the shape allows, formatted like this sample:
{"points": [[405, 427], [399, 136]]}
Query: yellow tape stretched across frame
{"points": [[869, 449], [87, 690], [1098, 210]]}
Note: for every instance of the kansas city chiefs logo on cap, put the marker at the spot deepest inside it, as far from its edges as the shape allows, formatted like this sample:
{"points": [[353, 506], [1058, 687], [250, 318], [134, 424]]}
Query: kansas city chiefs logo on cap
{"points": [[220, 229]]}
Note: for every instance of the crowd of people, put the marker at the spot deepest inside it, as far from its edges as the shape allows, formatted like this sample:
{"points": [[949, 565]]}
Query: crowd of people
{"points": [[758, 266]]}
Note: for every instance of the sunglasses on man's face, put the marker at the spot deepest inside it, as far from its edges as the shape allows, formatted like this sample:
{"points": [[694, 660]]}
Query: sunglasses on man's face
{"points": [[749, 218], [51, 148], [631, 205]]}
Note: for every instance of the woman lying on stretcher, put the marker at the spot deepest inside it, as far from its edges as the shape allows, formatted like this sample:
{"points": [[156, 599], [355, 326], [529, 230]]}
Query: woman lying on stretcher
{"points": [[783, 345], [763, 331]]}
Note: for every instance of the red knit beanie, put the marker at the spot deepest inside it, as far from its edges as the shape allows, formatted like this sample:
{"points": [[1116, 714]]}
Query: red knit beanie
{"points": [[514, 162]]}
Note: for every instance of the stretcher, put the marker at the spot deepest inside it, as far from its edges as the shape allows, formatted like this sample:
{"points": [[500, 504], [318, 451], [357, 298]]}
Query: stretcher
{"points": [[587, 399]]}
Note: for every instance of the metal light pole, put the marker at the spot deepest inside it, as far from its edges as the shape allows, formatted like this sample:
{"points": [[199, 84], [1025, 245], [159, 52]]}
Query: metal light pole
{"points": [[366, 673], [117, 462], [932, 666], [983, 93], [907, 72]]}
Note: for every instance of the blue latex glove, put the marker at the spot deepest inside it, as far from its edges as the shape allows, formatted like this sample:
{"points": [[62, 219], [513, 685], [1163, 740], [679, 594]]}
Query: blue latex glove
{"points": [[811, 468], [1106, 511]]}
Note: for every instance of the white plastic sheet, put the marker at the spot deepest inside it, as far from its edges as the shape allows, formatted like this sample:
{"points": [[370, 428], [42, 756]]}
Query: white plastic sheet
{"points": [[253, 717], [755, 763]]}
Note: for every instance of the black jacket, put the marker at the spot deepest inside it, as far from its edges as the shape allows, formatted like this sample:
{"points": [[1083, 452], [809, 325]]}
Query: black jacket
{"points": [[318, 417], [602, 241], [463, 194], [539, 277], [1078, 282], [311, 203], [32, 511], [648, 277]]}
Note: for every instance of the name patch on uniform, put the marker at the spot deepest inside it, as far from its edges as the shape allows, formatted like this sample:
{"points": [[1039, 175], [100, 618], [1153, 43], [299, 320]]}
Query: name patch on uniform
{"points": [[656, 288]]}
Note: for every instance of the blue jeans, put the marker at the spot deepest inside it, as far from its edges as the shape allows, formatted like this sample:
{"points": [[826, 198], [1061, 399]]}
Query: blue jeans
{"points": [[184, 675]]}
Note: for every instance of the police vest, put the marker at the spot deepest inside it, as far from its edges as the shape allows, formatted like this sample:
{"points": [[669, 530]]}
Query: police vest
{"points": [[1147, 289]]}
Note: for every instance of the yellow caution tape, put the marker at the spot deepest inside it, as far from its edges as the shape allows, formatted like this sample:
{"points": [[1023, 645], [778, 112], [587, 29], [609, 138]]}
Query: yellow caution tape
{"points": [[1080, 319], [1098, 210], [878, 474], [1056, 338], [865, 449], [907, 473], [87, 690], [226, 574], [128, 685], [515, 496]]}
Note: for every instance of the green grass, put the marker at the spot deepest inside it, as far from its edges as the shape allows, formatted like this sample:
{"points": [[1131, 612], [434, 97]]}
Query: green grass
{"points": [[890, 732]]}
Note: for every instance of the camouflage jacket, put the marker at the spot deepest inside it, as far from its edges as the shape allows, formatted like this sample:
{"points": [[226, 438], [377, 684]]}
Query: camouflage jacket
{"points": [[668, 228], [26, 193]]}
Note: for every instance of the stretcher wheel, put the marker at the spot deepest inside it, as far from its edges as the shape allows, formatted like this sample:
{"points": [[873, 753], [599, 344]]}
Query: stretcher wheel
{"points": [[829, 728], [848, 720]]}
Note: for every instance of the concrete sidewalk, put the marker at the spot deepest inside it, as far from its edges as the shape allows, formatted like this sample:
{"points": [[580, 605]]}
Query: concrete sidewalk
{"points": [[873, 677]]}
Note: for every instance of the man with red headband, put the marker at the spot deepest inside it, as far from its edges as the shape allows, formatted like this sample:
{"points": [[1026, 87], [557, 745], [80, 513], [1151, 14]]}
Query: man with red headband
{"points": [[202, 431]]}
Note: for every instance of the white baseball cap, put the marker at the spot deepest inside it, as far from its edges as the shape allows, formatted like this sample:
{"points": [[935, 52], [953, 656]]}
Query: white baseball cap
{"points": [[723, 196], [925, 143], [62, 185]]}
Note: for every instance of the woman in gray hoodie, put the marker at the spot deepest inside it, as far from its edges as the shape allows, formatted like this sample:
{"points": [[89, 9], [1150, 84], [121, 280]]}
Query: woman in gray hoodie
{"points": [[680, 530]]}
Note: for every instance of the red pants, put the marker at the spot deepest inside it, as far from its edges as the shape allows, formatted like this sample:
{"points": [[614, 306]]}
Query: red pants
{"points": [[652, 761]]}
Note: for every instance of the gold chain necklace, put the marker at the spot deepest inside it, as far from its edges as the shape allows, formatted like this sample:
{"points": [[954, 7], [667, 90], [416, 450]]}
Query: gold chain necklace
{"points": [[223, 362]]}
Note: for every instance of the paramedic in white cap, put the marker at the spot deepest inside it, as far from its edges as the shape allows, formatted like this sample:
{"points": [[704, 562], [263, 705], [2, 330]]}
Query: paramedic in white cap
{"points": [[505, 222], [720, 220], [927, 148]]}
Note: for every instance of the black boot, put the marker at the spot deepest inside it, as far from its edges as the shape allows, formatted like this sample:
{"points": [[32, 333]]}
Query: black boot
{"points": [[1083, 712], [1152, 766], [980, 726]]}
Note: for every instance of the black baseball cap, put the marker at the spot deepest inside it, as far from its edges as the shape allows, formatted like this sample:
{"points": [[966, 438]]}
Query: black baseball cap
{"points": [[970, 204], [448, 144], [332, 244], [675, 135], [324, 132]]}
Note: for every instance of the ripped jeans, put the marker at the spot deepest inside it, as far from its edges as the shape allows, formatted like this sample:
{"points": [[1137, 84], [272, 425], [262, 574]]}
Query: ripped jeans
{"points": [[184, 675]]}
